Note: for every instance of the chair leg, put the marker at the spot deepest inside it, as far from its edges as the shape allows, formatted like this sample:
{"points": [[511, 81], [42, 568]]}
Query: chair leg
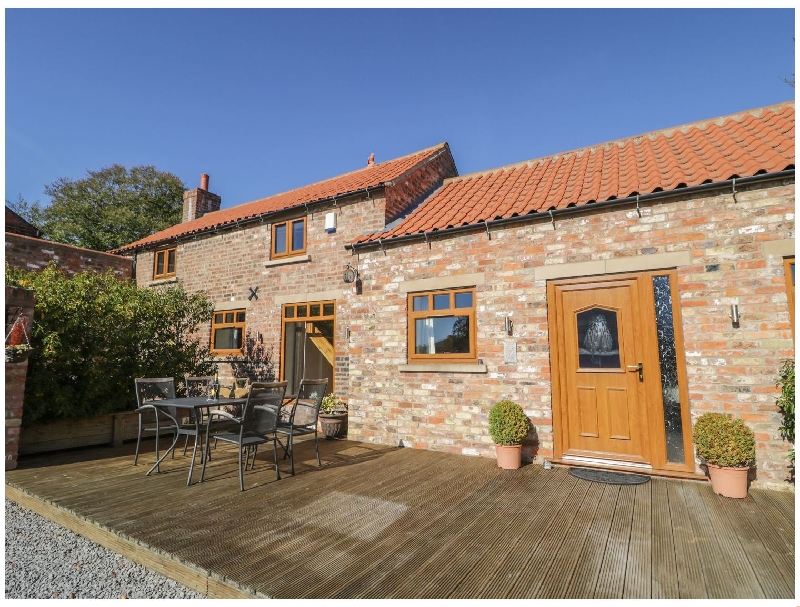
{"points": [[185, 444], [205, 459], [241, 473], [316, 446], [138, 441], [275, 456], [291, 451]]}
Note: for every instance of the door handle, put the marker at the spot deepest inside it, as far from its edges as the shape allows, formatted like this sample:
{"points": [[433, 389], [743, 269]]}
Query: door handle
{"points": [[637, 367]]}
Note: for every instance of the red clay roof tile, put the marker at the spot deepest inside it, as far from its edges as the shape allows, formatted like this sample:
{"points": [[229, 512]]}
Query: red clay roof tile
{"points": [[367, 177], [760, 140]]}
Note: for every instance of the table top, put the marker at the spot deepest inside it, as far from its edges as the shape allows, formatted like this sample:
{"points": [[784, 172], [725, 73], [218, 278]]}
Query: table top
{"points": [[196, 402]]}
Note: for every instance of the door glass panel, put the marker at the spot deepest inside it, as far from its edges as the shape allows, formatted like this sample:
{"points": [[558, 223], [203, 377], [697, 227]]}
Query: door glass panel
{"points": [[598, 339], [315, 308], [463, 300], [421, 303], [667, 357], [441, 302], [327, 309]]}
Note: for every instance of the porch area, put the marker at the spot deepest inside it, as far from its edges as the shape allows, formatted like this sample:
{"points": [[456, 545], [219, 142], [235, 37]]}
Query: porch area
{"points": [[383, 522]]}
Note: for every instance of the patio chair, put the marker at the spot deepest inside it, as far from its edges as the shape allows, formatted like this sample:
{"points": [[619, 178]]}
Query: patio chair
{"points": [[301, 416], [161, 419], [149, 389], [256, 426]]}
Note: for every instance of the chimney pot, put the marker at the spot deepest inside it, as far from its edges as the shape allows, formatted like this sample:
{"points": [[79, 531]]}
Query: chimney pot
{"points": [[371, 159], [204, 182]]}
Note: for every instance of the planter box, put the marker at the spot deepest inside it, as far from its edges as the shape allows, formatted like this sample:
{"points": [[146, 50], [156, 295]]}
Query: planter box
{"points": [[111, 429]]}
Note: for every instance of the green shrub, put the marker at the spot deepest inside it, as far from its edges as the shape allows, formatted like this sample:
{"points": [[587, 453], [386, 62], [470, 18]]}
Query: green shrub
{"points": [[508, 424], [724, 441], [331, 403], [785, 402], [93, 334]]}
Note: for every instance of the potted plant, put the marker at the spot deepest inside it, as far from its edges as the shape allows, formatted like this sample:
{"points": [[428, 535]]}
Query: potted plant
{"points": [[508, 427], [728, 448], [333, 416], [18, 346]]}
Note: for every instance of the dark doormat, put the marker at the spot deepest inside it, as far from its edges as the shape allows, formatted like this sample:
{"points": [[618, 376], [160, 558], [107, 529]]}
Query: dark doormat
{"points": [[609, 477]]}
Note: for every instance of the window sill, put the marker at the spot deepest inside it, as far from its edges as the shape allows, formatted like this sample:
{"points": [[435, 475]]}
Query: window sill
{"points": [[443, 368], [162, 281], [287, 260]]}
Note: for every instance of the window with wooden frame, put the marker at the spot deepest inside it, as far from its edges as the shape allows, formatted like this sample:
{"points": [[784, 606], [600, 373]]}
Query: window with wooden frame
{"points": [[227, 332], [164, 266], [788, 271], [442, 326], [288, 238]]}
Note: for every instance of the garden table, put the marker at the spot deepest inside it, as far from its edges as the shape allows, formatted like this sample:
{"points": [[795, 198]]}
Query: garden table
{"points": [[197, 404]]}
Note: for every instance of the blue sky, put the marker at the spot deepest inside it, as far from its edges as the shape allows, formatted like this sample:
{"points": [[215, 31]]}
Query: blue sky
{"points": [[266, 100]]}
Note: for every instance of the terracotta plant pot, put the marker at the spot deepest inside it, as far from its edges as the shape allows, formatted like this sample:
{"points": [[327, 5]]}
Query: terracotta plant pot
{"points": [[509, 457], [728, 482], [333, 425]]}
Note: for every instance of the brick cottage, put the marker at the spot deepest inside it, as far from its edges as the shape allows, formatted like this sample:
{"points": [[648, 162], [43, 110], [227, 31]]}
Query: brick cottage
{"points": [[616, 292]]}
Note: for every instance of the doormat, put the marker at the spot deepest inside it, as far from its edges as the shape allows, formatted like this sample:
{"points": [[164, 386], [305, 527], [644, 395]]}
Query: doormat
{"points": [[609, 477]]}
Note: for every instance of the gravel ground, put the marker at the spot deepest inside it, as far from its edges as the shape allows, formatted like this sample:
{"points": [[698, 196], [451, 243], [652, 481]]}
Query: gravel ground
{"points": [[45, 560]]}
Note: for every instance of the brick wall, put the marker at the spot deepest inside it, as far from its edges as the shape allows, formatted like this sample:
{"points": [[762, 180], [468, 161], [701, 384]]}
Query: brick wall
{"points": [[34, 254], [730, 370], [15, 374]]}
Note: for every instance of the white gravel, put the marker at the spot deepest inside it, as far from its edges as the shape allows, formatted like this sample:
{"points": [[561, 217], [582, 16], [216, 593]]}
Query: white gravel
{"points": [[47, 561]]}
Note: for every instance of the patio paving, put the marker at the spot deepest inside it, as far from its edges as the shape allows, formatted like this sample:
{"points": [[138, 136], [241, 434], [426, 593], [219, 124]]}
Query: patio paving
{"points": [[384, 522]]}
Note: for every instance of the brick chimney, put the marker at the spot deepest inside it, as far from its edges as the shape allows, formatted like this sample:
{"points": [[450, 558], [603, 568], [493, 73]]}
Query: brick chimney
{"points": [[199, 201]]}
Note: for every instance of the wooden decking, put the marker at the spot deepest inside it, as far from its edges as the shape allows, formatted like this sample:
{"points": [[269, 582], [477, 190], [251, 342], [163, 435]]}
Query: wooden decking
{"points": [[380, 522]]}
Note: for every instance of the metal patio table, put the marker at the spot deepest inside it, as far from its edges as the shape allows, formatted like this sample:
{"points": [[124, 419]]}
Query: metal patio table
{"points": [[196, 403]]}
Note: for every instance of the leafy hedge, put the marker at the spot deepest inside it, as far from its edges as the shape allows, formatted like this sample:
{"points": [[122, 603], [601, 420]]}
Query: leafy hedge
{"points": [[785, 402], [93, 334]]}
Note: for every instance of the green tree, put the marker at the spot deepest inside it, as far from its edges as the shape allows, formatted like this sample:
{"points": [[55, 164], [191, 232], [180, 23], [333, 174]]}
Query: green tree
{"points": [[93, 334], [108, 209]]}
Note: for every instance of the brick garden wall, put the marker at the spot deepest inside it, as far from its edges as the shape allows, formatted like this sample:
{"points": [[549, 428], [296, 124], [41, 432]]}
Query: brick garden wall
{"points": [[15, 375], [30, 253], [736, 256]]}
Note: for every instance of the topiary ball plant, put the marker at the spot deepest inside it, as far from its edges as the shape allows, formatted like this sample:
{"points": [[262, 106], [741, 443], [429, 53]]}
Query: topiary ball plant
{"points": [[508, 424], [724, 441]]}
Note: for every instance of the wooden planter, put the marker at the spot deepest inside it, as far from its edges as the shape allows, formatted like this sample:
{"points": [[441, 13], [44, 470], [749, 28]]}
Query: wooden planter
{"points": [[111, 429], [333, 425], [16, 356]]}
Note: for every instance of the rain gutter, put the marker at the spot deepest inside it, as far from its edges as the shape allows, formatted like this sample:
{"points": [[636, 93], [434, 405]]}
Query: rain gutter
{"points": [[551, 214]]}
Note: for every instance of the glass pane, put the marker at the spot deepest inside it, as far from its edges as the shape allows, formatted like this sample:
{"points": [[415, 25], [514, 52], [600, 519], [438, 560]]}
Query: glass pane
{"points": [[441, 302], [217, 319], [279, 234], [442, 335], [598, 339], [171, 262], [667, 357], [421, 303], [228, 316], [302, 311], [315, 309], [463, 300], [791, 269], [289, 312], [228, 339], [298, 235], [160, 262], [240, 317], [327, 309]]}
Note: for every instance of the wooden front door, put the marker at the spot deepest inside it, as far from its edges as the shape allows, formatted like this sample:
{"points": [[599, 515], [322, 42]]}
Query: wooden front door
{"points": [[618, 387]]}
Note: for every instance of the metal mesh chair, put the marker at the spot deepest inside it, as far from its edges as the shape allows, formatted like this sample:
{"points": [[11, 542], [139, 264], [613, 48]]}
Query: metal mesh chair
{"points": [[256, 426], [301, 416], [149, 389]]}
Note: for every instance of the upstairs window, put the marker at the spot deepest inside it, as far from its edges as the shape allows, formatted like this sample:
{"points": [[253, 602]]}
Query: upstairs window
{"points": [[289, 238], [441, 326], [227, 332], [165, 263]]}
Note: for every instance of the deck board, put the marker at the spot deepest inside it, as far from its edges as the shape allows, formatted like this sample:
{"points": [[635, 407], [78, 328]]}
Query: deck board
{"points": [[381, 522]]}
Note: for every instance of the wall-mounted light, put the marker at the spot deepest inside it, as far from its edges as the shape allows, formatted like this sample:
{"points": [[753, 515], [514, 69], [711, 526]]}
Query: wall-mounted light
{"points": [[260, 338], [350, 274], [735, 315], [347, 333], [509, 325]]}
